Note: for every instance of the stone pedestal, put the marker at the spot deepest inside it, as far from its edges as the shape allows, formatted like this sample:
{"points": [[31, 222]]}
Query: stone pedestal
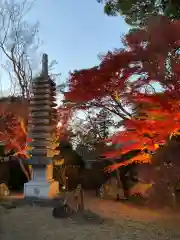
{"points": [[42, 185]]}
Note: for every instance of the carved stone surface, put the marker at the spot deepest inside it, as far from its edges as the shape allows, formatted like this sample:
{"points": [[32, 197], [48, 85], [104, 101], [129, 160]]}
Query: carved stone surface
{"points": [[39, 114], [39, 152], [41, 189], [44, 96], [42, 102], [40, 143], [4, 191], [38, 91], [42, 129], [40, 108], [41, 135], [41, 160], [42, 184], [39, 121], [42, 125], [40, 86]]}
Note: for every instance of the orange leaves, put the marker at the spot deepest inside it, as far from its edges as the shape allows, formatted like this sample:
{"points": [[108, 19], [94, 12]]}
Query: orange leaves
{"points": [[156, 114], [115, 166], [13, 133], [148, 133], [113, 154], [160, 34], [3, 137], [140, 158], [125, 149], [85, 85], [145, 53], [23, 152], [151, 55]]}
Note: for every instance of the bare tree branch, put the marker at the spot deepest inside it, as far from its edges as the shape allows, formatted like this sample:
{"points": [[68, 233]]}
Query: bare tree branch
{"points": [[18, 42]]}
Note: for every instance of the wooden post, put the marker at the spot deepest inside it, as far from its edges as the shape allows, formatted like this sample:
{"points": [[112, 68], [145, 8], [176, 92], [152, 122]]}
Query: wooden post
{"points": [[81, 199]]}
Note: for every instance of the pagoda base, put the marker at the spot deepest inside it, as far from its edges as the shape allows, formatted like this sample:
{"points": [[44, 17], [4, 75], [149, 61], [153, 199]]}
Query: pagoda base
{"points": [[40, 189], [42, 185]]}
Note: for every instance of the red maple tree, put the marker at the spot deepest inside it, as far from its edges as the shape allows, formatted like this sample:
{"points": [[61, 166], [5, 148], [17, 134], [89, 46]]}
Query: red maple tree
{"points": [[13, 135], [131, 76]]}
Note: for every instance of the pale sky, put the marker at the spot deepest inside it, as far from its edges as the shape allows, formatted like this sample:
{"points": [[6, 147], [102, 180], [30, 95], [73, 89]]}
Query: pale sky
{"points": [[74, 32]]}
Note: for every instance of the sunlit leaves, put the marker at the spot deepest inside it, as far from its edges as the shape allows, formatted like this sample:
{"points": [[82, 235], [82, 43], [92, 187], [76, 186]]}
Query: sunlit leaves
{"points": [[13, 136], [150, 59], [140, 158]]}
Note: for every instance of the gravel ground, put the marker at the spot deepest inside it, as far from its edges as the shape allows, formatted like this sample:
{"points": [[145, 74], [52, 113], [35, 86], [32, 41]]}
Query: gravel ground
{"points": [[120, 222]]}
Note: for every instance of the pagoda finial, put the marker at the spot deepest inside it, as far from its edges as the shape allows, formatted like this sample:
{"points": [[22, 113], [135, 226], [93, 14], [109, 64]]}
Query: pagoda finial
{"points": [[45, 65]]}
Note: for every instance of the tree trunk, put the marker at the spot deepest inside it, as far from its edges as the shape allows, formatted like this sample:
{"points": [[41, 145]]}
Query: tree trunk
{"points": [[118, 181]]}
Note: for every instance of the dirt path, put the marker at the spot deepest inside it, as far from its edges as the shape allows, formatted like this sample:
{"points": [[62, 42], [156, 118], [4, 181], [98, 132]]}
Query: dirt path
{"points": [[126, 223]]}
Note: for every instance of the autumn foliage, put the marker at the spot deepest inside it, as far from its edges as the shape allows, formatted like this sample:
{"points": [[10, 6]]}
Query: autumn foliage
{"points": [[14, 115], [13, 135], [145, 72]]}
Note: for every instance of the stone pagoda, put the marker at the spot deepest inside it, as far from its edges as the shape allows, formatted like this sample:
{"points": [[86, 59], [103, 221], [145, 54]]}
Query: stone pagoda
{"points": [[42, 126]]}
